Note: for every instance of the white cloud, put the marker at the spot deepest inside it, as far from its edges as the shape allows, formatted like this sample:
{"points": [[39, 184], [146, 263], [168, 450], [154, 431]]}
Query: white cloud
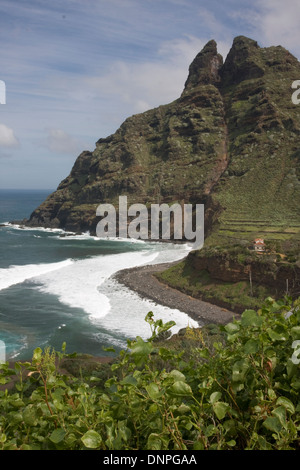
{"points": [[279, 23], [153, 83], [107, 60], [7, 137], [273, 23], [147, 84], [59, 141]]}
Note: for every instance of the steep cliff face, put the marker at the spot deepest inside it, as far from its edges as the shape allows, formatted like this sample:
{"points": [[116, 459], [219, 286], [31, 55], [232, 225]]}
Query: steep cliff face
{"points": [[261, 185], [230, 141]]}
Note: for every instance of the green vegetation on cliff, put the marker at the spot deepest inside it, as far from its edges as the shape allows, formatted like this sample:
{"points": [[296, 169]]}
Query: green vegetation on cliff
{"points": [[230, 141], [216, 388], [235, 276]]}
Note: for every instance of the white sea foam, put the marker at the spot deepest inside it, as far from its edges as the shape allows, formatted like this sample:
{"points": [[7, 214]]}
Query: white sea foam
{"points": [[87, 284], [36, 229], [128, 312], [88, 236], [77, 285], [18, 274]]}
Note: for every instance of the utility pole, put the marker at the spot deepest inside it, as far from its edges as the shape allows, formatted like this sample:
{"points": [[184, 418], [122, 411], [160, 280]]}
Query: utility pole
{"points": [[250, 278]]}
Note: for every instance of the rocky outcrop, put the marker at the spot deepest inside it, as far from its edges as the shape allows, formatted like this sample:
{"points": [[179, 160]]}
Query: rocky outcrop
{"points": [[230, 141], [264, 270]]}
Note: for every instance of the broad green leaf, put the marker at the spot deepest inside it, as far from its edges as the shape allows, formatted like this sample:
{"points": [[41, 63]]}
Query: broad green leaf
{"points": [[215, 397], [124, 432], [37, 354], [291, 368], [153, 391], [263, 443], [180, 388], [295, 384], [272, 395], [280, 413], [30, 415], [232, 338], [141, 347], [57, 435], [198, 445], [295, 332], [230, 425], [239, 370], [237, 386], [273, 424], [177, 375], [288, 405], [166, 326], [276, 336], [232, 328], [220, 408], [15, 417], [231, 443], [17, 402], [129, 379], [153, 408], [157, 442], [210, 430], [183, 409], [250, 318], [91, 439], [251, 346]]}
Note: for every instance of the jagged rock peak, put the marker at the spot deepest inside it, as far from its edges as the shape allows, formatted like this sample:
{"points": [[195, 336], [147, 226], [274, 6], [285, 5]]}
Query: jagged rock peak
{"points": [[205, 67], [242, 61], [244, 42], [231, 141]]}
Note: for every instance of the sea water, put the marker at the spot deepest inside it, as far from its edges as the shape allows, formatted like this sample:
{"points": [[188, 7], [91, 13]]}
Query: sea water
{"points": [[58, 287]]}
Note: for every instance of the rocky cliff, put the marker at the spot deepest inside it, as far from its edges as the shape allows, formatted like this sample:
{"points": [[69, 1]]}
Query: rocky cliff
{"points": [[230, 141]]}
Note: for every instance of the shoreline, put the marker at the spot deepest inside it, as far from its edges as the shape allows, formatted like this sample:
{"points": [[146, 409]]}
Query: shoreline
{"points": [[142, 281]]}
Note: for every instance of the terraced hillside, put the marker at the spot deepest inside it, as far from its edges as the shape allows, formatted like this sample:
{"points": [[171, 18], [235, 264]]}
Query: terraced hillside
{"points": [[260, 189], [230, 141]]}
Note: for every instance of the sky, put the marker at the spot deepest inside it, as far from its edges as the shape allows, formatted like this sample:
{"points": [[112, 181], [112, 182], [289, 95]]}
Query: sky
{"points": [[74, 70]]}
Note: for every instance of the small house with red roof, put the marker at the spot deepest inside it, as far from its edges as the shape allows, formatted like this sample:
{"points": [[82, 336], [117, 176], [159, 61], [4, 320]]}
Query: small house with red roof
{"points": [[259, 245]]}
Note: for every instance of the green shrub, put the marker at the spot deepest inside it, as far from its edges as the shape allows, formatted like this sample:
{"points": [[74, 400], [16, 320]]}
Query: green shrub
{"points": [[240, 394]]}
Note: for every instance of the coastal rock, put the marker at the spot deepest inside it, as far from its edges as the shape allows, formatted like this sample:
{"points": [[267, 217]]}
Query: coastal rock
{"points": [[230, 141]]}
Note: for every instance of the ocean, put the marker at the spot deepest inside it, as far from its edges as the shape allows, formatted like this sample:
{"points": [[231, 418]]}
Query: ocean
{"points": [[57, 287]]}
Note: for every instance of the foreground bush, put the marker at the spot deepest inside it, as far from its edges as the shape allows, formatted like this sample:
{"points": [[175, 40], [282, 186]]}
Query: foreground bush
{"points": [[240, 393]]}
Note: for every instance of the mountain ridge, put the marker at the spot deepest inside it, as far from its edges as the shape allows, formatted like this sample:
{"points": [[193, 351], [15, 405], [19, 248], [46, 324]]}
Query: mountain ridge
{"points": [[230, 141]]}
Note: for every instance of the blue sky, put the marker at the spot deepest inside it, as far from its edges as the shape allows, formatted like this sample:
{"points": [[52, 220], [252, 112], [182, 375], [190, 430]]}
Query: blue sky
{"points": [[75, 69]]}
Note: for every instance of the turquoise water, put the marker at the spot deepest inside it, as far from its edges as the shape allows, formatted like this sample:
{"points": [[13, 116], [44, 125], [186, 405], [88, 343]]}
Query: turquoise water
{"points": [[58, 287]]}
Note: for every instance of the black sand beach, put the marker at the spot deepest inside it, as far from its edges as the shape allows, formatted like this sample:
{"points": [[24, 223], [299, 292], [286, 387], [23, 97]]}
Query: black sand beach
{"points": [[142, 281]]}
